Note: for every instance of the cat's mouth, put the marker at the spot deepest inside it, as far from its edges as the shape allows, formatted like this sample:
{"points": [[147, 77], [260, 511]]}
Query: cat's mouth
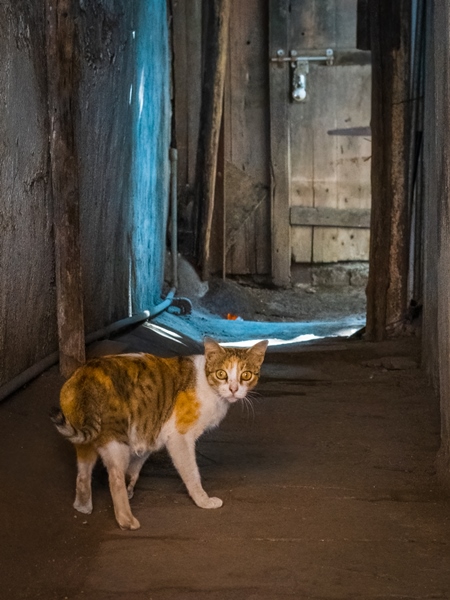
{"points": [[233, 398]]}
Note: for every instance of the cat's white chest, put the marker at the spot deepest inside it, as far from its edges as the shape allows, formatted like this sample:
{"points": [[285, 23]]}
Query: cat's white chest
{"points": [[212, 408]]}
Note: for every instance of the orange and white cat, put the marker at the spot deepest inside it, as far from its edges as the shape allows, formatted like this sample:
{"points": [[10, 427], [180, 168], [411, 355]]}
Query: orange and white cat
{"points": [[124, 407]]}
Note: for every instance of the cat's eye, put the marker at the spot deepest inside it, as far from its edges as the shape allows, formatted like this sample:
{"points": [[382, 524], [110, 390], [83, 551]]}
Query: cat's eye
{"points": [[221, 374], [246, 375]]}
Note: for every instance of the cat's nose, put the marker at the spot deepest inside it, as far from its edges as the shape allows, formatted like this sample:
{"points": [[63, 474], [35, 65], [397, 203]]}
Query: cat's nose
{"points": [[233, 387]]}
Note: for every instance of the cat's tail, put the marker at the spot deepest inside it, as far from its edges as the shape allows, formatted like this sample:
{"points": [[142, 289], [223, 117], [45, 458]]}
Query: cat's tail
{"points": [[77, 435]]}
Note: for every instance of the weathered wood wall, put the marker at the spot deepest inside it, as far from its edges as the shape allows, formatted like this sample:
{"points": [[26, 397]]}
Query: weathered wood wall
{"points": [[246, 140], [123, 136], [436, 318], [107, 58], [390, 26], [27, 277], [187, 77]]}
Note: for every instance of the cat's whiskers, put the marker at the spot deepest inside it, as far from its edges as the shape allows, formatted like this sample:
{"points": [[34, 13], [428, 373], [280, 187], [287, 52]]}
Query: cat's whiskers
{"points": [[248, 404]]}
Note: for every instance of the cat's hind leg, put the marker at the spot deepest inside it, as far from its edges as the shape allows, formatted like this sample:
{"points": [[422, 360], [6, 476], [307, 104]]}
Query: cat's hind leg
{"points": [[116, 457], [181, 448], [134, 468], [86, 459]]}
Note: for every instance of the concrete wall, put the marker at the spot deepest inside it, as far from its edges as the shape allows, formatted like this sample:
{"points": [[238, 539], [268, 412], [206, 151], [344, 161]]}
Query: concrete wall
{"points": [[123, 136], [436, 324]]}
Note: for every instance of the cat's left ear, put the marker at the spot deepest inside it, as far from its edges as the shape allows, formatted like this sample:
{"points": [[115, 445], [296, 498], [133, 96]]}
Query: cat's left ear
{"points": [[258, 351]]}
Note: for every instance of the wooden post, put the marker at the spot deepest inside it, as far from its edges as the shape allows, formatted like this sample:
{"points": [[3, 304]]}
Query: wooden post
{"points": [[280, 167], [62, 85], [362, 25], [187, 92], [216, 49], [388, 270]]}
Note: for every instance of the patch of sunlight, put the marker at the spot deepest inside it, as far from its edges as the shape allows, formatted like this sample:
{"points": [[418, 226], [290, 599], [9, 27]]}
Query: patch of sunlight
{"points": [[141, 92], [163, 332], [273, 341], [295, 340]]}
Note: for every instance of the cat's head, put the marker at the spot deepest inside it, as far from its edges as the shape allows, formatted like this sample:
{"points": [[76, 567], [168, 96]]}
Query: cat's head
{"points": [[233, 372]]}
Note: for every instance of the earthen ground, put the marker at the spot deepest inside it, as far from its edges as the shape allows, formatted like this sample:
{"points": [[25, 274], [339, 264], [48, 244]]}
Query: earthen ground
{"points": [[329, 492]]}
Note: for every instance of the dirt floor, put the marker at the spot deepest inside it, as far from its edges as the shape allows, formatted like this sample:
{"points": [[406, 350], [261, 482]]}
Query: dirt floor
{"points": [[297, 303], [328, 484]]}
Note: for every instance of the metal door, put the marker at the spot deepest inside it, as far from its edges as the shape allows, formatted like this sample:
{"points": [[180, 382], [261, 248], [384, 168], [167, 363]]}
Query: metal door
{"points": [[320, 139]]}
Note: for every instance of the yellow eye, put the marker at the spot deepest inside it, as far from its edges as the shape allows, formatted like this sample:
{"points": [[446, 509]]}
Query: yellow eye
{"points": [[221, 374], [246, 375]]}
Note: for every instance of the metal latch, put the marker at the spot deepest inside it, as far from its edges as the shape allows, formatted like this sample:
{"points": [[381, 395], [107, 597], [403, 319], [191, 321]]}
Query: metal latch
{"points": [[300, 66]]}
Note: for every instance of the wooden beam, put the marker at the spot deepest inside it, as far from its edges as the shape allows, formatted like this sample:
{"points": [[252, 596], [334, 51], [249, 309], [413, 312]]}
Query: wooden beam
{"points": [[389, 246], [187, 94], [279, 143], [323, 216], [62, 89], [216, 51], [363, 25]]}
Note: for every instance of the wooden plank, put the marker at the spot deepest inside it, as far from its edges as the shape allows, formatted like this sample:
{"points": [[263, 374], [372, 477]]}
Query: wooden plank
{"points": [[279, 144], [212, 106], [330, 217], [181, 85], [389, 247], [187, 95], [333, 244], [247, 129], [246, 195], [329, 171], [363, 25], [62, 87], [353, 152], [193, 84], [217, 263], [311, 23], [302, 244]]}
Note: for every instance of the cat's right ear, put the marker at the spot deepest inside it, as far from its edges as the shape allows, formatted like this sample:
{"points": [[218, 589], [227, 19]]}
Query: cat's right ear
{"points": [[212, 348]]}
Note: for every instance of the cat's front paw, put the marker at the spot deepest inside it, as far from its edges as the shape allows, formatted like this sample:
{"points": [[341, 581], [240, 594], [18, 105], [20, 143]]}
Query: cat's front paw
{"points": [[128, 523], [209, 502], [83, 507]]}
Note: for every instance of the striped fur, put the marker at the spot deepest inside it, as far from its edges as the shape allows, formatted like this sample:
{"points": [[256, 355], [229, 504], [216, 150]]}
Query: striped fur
{"points": [[123, 407]]}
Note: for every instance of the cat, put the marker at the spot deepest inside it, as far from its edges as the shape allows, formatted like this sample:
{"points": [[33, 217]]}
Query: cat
{"points": [[123, 407]]}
